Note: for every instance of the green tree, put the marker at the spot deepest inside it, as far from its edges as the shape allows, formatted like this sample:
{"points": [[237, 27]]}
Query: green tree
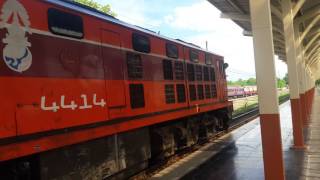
{"points": [[281, 83], [286, 78], [241, 82], [318, 82], [103, 8], [251, 82]]}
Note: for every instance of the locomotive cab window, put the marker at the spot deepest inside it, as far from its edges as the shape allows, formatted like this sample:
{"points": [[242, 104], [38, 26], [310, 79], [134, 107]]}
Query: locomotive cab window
{"points": [[65, 24], [213, 91], [172, 50], [194, 56], [169, 93], [207, 91], [222, 69], [212, 75], [206, 75], [136, 96], [134, 66], [179, 70], [181, 93], [198, 69], [141, 43], [200, 91], [190, 71], [208, 59], [192, 92], [167, 69]]}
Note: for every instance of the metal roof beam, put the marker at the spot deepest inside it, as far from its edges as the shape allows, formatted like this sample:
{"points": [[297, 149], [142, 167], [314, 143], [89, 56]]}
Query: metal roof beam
{"points": [[282, 57], [312, 32], [277, 29], [235, 16], [297, 7], [309, 27], [313, 50], [278, 41], [274, 28], [235, 6], [308, 14], [247, 33], [276, 11], [311, 42], [314, 59], [278, 36], [314, 56], [279, 47]]}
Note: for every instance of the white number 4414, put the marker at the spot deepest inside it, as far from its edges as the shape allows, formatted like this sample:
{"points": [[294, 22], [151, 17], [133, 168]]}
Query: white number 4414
{"points": [[71, 105]]}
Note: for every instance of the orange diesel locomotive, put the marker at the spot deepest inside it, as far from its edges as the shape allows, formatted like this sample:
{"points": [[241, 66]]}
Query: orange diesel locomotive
{"points": [[84, 95]]}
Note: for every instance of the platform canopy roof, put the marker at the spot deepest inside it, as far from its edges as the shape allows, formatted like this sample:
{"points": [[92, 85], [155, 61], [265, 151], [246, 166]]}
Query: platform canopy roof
{"points": [[307, 19]]}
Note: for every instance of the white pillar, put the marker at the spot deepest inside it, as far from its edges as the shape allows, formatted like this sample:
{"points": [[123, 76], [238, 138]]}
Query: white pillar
{"points": [[290, 48], [300, 58], [264, 56], [306, 78], [267, 89], [292, 73]]}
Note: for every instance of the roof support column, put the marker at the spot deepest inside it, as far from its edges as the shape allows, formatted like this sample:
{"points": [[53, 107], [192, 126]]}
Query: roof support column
{"points": [[266, 81], [308, 94], [293, 74], [301, 74], [303, 92], [304, 95], [307, 80]]}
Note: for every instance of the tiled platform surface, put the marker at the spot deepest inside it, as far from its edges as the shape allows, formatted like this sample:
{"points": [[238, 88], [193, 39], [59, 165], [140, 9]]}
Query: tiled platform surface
{"points": [[238, 156]]}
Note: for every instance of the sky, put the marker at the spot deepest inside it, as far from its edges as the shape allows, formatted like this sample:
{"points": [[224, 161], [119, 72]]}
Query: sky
{"points": [[195, 21]]}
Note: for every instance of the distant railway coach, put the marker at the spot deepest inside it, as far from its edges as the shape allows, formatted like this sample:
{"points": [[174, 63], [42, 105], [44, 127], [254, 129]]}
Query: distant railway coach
{"points": [[250, 90], [87, 96], [235, 91], [238, 91]]}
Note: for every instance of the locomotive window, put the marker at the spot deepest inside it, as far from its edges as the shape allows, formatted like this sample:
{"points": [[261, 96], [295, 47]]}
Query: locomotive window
{"points": [[136, 95], [181, 93], [167, 69], [179, 70], [190, 70], [212, 75], [207, 91], [206, 75], [208, 59], [213, 91], [192, 92], [65, 24], [172, 50], [134, 66], [221, 67], [194, 56], [140, 43], [169, 92], [199, 73], [200, 91], [222, 70]]}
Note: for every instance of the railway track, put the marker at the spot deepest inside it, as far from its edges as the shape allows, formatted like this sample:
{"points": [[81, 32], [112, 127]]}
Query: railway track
{"points": [[237, 121]]}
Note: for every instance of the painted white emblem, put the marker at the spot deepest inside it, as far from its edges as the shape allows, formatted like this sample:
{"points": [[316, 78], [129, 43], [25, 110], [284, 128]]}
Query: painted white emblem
{"points": [[16, 53]]}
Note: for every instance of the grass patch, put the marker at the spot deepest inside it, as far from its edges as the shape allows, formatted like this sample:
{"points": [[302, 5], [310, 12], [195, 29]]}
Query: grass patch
{"points": [[283, 96]]}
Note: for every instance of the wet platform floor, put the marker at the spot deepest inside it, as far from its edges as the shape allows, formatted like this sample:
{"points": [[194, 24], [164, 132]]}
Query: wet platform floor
{"points": [[238, 155]]}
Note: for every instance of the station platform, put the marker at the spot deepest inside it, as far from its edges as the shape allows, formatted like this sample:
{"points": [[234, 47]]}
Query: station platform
{"points": [[238, 155]]}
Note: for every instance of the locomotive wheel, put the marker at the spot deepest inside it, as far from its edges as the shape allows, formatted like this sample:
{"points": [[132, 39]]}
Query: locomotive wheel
{"points": [[219, 124], [25, 168]]}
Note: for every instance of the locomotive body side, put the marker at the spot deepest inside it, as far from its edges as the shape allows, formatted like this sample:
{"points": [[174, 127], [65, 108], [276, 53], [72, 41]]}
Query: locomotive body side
{"points": [[69, 86]]}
